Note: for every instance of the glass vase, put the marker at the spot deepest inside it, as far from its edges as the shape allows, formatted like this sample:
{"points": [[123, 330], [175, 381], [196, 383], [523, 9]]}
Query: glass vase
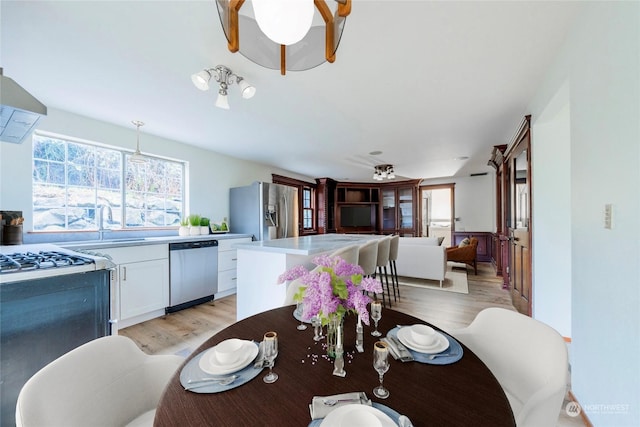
{"points": [[335, 336]]}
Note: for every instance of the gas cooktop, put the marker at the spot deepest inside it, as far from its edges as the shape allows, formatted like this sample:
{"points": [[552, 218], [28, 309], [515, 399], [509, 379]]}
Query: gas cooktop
{"points": [[33, 261], [23, 261]]}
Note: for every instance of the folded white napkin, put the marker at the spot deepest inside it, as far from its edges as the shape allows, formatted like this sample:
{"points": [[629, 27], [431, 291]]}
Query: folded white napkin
{"points": [[319, 409]]}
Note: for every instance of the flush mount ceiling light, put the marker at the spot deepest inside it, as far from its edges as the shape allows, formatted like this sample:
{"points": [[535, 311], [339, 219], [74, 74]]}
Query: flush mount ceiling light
{"points": [[225, 77], [137, 157], [382, 172], [293, 35]]}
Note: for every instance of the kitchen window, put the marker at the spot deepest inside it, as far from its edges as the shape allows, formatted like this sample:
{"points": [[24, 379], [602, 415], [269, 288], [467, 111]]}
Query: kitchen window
{"points": [[307, 208], [73, 179]]}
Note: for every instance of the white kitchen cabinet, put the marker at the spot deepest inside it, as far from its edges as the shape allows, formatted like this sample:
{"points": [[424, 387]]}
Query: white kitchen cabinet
{"points": [[142, 277], [227, 265]]}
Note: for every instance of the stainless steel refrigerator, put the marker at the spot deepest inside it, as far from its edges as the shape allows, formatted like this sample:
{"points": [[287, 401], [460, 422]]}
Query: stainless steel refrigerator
{"points": [[266, 211]]}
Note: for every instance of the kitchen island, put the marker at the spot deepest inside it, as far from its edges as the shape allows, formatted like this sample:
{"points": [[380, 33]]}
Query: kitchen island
{"points": [[260, 263]]}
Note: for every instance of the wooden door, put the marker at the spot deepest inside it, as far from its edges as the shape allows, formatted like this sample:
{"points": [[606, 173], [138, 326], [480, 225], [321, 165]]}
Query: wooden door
{"points": [[518, 221]]}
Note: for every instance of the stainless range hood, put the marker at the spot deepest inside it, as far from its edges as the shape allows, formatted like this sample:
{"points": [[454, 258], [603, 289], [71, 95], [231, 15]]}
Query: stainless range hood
{"points": [[19, 111]]}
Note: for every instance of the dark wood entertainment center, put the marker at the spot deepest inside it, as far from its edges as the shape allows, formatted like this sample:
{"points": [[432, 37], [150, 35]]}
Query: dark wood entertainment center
{"points": [[392, 208], [377, 208]]}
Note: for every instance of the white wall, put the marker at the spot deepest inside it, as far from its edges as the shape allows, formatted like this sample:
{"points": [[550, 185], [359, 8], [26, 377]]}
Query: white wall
{"points": [[475, 202], [601, 63], [210, 174], [551, 213]]}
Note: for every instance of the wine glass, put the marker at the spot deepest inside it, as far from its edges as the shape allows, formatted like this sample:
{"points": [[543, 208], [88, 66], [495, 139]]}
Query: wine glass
{"points": [[301, 326], [270, 343], [317, 328], [381, 365], [376, 315]]}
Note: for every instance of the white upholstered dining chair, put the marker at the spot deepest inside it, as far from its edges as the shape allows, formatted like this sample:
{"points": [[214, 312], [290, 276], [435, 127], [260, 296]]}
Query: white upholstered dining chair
{"points": [[106, 382], [529, 359], [393, 257], [368, 256], [292, 290], [348, 253], [382, 260]]}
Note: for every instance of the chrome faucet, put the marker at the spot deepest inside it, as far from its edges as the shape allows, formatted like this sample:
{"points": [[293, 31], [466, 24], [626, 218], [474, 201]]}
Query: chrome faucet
{"points": [[100, 218]]}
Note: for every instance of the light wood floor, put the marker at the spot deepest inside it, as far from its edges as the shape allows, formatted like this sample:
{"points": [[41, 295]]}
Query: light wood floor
{"points": [[182, 332]]}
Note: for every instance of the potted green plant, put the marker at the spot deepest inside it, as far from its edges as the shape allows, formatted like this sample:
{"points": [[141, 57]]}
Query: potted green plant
{"points": [[183, 230], [204, 225], [194, 222]]}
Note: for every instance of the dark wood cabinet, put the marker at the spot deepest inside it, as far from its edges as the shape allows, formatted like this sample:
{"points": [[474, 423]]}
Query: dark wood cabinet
{"points": [[513, 240], [356, 208], [386, 208], [326, 205], [357, 194], [398, 210]]}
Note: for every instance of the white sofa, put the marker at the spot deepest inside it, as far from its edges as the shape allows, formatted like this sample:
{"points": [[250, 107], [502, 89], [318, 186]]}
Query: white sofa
{"points": [[421, 257]]}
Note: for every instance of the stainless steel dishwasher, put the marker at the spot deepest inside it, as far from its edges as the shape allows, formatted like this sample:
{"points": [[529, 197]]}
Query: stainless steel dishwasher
{"points": [[193, 277]]}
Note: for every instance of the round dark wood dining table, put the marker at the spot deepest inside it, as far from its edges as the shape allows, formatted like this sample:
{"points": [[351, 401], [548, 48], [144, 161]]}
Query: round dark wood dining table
{"points": [[464, 393]]}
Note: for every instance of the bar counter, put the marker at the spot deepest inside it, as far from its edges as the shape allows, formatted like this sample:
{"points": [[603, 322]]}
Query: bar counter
{"points": [[260, 264]]}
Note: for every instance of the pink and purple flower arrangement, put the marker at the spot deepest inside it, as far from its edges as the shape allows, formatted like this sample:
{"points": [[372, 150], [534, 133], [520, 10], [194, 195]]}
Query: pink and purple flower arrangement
{"points": [[332, 289]]}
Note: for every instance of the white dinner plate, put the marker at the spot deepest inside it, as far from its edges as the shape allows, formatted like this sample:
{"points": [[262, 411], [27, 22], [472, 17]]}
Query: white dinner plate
{"points": [[210, 364], [441, 343], [357, 416]]}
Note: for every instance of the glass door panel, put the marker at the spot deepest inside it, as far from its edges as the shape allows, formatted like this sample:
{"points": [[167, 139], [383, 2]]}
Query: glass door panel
{"points": [[388, 209], [405, 201]]}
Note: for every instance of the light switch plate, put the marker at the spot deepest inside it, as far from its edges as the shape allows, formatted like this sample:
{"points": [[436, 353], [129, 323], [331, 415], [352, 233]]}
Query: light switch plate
{"points": [[608, 216]]}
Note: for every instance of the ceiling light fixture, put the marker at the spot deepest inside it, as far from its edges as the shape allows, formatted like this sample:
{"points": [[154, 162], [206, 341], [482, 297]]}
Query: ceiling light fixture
{"points": [[137, 157], [225, 77], [382, 172], [294, 35]]}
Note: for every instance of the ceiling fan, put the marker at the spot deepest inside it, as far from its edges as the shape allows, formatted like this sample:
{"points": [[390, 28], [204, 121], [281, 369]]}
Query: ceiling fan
{"points": [[380, 168]]}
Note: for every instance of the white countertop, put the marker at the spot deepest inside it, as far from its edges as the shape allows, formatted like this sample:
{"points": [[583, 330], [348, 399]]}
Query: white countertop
{"points": [[81, 248], [141, 241], [308, 245]]}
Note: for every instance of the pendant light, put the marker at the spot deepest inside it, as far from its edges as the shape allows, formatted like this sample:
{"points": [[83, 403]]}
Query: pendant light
{"points": [[286, 22], [285, 35], [137, 157]]}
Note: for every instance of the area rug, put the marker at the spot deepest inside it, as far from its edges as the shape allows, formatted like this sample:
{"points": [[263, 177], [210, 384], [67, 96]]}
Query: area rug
{"points": [[455, 280]]}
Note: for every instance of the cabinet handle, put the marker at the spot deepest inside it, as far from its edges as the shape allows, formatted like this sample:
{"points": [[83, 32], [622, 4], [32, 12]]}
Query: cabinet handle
{"points": [[124, 274], [234, 259]]}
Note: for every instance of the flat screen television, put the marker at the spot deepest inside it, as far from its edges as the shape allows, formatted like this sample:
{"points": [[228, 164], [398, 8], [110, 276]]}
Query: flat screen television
{"points": [[355, 216]]}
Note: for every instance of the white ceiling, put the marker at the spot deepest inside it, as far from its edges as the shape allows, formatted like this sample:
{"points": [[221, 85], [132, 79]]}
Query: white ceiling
{"points": [[425, 82]]}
